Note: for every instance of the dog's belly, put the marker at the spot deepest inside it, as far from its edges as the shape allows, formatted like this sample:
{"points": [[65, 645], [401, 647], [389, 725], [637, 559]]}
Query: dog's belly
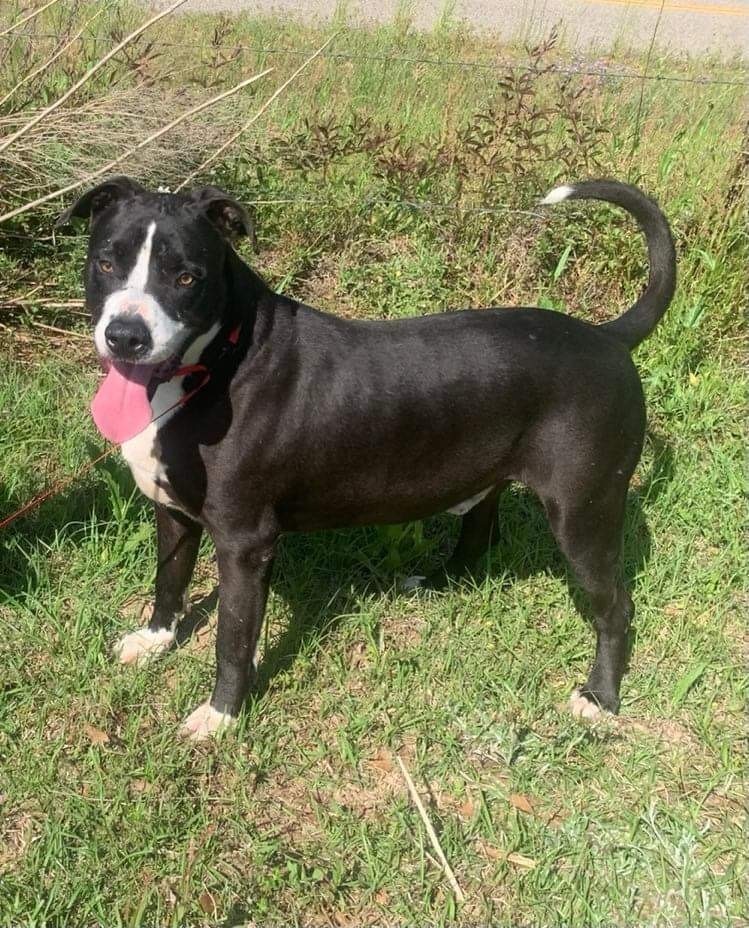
{"points": [[352, 508], [462, 508]]}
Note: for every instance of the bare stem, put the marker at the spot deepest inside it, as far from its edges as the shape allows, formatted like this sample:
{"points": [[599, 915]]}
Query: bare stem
{"points": [[35, 120], [431, 833], [147, 141], [27, 18], [271, 99]]}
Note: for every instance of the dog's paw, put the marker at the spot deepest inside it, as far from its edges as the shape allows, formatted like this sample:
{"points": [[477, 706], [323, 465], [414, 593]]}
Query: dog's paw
{"points": [[140, 646], [205, 722], [583, 707], [417, 582]]}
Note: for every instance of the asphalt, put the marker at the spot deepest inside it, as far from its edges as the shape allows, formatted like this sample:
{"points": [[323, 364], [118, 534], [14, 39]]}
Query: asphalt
{"points": [[683, 27]]}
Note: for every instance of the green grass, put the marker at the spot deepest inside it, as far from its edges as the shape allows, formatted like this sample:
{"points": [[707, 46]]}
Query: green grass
{"points": [[301, 816]]}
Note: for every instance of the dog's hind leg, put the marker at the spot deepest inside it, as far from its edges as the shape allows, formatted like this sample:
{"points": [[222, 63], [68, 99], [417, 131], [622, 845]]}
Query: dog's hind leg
{"points": [[589, 531], [479, 530], [177, 540]]}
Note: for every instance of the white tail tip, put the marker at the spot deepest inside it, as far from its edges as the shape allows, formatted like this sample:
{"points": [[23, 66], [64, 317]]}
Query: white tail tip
{"points": [[557, 195]]}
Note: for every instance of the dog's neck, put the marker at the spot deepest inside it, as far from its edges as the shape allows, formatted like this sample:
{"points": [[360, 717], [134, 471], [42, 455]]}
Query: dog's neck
{"points": [[245, 289]]}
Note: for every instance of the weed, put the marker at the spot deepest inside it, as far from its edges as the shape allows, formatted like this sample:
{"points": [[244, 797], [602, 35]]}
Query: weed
{"points": [[381, 188]]}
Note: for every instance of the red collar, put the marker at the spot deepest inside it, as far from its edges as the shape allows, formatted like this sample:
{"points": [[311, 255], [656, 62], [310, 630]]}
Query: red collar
{"points": [[232, 340]]}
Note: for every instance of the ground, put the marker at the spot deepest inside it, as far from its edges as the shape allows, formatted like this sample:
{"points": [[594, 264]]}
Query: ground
{"points": [[386, 182], [695, 27]]}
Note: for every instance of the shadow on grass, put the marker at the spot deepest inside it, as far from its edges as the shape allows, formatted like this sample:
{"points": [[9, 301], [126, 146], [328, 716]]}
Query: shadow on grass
{"points": [[310, 569], [323, 576], [68, 514], [525, 549]]}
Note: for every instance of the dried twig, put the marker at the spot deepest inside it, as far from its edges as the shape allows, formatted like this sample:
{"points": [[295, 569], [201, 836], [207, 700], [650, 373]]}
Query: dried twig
{"points": [[27, 18], [147, 141], [53, 328], [638, 116], [431, 833], [43, 67], [71, 307], [271, 99], [88, 75]]}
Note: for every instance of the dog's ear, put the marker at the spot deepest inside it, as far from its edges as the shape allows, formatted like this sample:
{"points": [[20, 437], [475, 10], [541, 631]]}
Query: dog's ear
{"points": [[225, 213], [99, 198]]}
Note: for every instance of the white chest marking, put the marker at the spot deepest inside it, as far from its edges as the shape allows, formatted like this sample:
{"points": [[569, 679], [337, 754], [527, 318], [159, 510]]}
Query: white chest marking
{"points": [[141, 452], [462, 508]]}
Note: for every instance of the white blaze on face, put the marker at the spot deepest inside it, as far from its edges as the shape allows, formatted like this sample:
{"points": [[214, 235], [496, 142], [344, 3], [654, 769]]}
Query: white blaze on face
{"points": [[167, 334], [139, 275]]}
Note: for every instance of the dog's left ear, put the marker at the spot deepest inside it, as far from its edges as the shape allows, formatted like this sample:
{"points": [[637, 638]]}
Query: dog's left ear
{"points": [[224, 212], [99, 198]]}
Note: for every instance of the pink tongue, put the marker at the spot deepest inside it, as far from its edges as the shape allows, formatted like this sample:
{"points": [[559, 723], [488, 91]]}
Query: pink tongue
{"points": [[120, 408]]}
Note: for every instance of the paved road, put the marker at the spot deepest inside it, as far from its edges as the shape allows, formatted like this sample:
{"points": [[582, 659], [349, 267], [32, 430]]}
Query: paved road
{"points": [[719, 27]]}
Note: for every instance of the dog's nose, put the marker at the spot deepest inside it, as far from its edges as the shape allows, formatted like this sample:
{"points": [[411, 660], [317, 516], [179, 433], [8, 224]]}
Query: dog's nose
{"points": [[128, 339]]}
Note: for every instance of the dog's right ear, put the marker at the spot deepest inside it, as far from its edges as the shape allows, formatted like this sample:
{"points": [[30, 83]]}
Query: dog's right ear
{"points": [[99, 198]]}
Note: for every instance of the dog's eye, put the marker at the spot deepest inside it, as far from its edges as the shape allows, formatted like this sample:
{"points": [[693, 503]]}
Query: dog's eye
{"points": [[105, 266], [185, 279]]}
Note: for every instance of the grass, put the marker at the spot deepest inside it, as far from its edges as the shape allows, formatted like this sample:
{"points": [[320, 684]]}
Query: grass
{"points": [[302, 816]]}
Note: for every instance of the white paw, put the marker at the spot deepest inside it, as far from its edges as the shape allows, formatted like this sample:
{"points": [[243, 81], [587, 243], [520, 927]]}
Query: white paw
{"points": [[583, 708], [140, 646], [204, 722], [413, 583]]}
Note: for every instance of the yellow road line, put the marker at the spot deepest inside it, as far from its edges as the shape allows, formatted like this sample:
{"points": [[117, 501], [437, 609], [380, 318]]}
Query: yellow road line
{"points": [[680, 7]]}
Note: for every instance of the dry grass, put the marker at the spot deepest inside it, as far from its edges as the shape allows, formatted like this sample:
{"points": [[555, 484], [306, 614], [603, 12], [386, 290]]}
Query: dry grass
{"points": [[302, 815], [73, 142], [90, 122]]}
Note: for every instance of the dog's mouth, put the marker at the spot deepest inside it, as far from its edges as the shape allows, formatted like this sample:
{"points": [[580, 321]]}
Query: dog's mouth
{"points": [[159, 370], [121, 408]]}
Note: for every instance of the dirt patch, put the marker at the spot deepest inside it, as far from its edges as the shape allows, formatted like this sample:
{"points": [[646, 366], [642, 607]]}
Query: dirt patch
{"points": [[17, 829]]}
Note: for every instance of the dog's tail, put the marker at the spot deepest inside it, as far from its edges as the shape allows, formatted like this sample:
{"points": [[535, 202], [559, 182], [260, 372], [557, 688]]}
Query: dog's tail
{"points": [[641, 318]]}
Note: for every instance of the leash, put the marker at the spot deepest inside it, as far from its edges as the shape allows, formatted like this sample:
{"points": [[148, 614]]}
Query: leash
{"points": [[188, 370], [232, 340], [56, 488]]}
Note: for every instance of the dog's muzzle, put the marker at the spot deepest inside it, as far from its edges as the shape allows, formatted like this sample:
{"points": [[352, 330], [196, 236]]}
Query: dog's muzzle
{"points": [[128, 338]]}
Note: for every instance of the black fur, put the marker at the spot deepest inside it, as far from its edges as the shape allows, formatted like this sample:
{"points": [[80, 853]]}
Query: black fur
{"points": [[318, 422]]}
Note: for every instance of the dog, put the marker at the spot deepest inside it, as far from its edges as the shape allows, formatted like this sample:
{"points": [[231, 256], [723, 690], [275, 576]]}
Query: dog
{"points": [[244, 413]]}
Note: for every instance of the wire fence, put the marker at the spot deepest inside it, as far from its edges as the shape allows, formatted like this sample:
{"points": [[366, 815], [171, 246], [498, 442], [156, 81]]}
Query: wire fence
{"points": [[362, 204], [500, 65], [371, 203], [563, 67]]}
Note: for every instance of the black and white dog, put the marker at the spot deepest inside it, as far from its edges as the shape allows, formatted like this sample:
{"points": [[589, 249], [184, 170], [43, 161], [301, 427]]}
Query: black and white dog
{"points": [[247, 414]]}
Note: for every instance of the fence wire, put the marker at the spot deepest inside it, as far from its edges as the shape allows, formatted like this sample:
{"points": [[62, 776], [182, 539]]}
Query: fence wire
{"points": [[565, 67], [416, 205]]}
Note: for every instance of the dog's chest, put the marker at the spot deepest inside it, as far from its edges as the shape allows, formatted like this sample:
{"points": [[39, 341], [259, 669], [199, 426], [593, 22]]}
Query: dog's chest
{"points": [[142, 452]]}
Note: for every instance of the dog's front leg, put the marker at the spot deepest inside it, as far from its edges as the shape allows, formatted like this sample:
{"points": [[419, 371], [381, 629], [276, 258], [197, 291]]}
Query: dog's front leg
{"points": [[244, 574], [177, 542]]}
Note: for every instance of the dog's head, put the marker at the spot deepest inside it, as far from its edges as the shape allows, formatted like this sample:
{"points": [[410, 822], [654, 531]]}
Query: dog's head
{"points": [[156, 268]]}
